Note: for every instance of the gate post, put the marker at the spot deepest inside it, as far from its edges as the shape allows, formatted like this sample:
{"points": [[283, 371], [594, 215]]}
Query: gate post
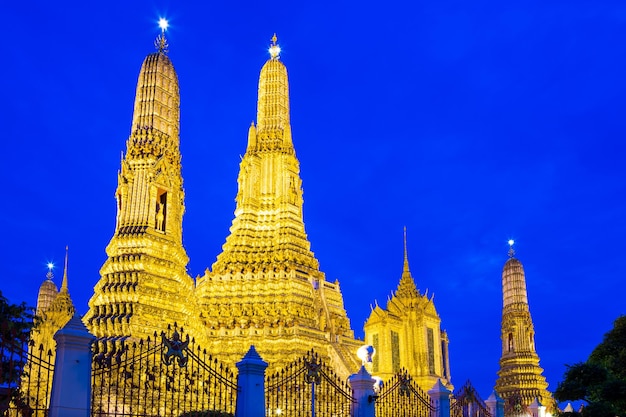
{"points": [[71, 383], [251, 385], [440, 395], [537, 409], [495, 403], [362, 385]]}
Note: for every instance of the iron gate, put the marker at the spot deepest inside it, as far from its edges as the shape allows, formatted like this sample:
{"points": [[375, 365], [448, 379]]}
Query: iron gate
{"points": [[402, 397], [162, 376], [467, 403], [307, 388], [25, 377]]}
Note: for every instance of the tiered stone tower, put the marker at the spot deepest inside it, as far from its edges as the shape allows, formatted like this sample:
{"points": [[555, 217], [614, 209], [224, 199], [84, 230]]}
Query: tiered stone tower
{"points": [[54, 308], [520, 379], [144, 284], [266, 287], [407, 334]]}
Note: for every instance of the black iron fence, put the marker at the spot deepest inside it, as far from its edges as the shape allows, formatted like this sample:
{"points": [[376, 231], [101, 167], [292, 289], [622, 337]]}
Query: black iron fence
{"points": [[402, 397], [167, 375], [466, 402], [307, 388], [25, 377]]}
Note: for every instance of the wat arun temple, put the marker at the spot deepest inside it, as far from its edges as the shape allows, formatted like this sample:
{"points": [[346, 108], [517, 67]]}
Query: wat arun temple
{"points": [[266, 288]]}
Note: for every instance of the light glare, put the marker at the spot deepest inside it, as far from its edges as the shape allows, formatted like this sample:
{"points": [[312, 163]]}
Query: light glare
{"points": [[163, 24], [50, 265], [511, 242], [274, 51], [365, 353]]}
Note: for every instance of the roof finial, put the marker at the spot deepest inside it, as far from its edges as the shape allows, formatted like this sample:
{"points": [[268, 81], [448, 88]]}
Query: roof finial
{"points": [[50, 275], [274, 48], [64, 282], [161, 43], [406, 253], [511, 250]]}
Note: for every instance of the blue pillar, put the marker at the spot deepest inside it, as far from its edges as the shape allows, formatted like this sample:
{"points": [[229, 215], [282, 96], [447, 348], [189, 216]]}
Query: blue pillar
{"points": [[495, 403], [362, 385], [71, 383], [440, 396], [251, 385]]}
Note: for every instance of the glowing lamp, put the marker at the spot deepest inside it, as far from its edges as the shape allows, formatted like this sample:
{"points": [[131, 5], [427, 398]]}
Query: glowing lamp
{"points": [[365, 353]]}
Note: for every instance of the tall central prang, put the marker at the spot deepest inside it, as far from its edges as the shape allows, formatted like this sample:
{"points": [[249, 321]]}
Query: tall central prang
{"points": [[144, 283], [266, 287]]}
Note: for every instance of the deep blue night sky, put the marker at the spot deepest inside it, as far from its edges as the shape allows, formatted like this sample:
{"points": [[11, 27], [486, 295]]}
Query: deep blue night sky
{"points": [[467, 122]]}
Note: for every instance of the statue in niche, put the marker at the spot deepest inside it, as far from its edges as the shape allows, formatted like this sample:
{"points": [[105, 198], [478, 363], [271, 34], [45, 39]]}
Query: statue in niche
{"points": [[160, 217]]}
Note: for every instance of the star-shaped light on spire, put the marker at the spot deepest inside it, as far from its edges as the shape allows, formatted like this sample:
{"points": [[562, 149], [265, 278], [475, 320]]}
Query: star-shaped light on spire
{"points": [[161, 43], [50, 275], [163, 24], [511, 242], [274, 48]]}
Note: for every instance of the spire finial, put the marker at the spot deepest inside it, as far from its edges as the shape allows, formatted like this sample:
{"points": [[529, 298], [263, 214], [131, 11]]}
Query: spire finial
{"points": [[406, 253], [64, 283], [49, 274], [511, 250], [161, 43], [274, 48]]}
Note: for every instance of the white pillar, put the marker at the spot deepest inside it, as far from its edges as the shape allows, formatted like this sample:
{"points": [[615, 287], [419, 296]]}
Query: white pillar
{"points": [[440, 396], [71, 384], [362, 385], [495, 404], [537, 409], [251, 385]]}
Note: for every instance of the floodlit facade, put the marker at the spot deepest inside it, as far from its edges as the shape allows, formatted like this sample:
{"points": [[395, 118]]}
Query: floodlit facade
{"points": [[266, 288], [407, 335]]}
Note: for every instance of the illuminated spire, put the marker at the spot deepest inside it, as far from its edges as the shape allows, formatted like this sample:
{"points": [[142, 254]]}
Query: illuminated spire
{"points": [[266, 274], [520, 376], [64, 282], [406, 287], [406, 257], [47, 291], [146, 251], [273, 126], [514, 283], [154, 143], [274, 48], [269, 183], [157, 100]]}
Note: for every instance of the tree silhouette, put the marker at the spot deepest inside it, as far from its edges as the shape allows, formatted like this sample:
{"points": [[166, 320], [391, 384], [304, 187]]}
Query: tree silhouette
{"points": [[601, 381]]}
